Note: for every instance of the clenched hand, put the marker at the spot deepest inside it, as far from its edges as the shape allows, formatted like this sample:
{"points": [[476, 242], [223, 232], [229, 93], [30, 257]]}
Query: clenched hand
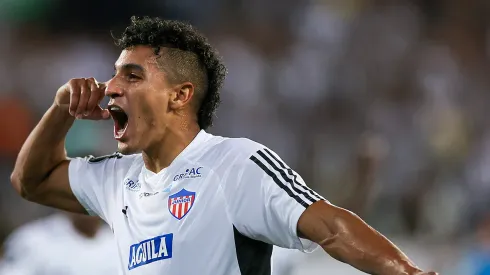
{"points": [[81, 97]]}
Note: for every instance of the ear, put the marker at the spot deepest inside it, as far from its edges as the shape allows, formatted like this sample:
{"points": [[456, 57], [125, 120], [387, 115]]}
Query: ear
{"points": [[181, 95]]}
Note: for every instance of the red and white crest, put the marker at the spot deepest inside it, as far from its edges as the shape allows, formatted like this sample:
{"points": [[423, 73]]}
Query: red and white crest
{"points": [[180, 203]]}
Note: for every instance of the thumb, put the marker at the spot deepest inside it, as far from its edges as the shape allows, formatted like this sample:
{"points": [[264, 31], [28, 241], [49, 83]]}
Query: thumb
{"points": [[99, 114], [105, 114], [101, 85]]}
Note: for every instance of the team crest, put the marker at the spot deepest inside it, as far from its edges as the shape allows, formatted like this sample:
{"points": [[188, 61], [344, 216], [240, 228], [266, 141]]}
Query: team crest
{"points": [[180, 203]]}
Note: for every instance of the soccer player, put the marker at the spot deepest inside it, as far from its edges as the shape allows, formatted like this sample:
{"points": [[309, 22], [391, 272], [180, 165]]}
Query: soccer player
{"points": [[190, 202], [68, 244]]}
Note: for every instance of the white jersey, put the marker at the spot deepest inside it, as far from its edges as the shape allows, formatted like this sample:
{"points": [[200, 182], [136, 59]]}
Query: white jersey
{"points": [[216, 210], [52, 246]]}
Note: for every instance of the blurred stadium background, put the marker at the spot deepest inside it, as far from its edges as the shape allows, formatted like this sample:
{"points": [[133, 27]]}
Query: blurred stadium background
{"points": [[382, 106]]}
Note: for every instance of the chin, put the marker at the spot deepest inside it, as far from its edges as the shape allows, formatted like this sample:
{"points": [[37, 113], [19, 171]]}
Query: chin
{"points": [[125, 149]]}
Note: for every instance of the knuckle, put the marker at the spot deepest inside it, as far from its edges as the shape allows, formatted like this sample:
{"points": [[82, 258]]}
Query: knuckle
{"points": [[91, 82], [85, 91], [74, 81]]}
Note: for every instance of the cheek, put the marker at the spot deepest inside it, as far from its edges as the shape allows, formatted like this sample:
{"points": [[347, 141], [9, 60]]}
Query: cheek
{"points": [[152, 111], [146, 111]]}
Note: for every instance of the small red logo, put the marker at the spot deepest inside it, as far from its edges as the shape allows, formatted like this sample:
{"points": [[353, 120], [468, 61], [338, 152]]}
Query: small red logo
{"points": [[180, 203]]}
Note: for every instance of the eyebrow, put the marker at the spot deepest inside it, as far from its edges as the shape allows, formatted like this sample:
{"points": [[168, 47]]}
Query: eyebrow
{"points": [[130, 67]]}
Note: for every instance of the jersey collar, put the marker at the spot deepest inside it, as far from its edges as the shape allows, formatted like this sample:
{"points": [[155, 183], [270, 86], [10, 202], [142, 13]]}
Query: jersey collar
{"points": [[201, 137]]}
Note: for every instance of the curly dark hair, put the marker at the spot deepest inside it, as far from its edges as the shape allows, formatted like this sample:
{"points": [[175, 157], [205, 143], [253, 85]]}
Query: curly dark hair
{"points": [[189, 54]]}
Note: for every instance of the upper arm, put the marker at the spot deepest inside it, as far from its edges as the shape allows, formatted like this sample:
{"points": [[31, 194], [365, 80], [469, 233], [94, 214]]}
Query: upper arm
{"points": [[55, 190], [82, 185], [266, 198]]}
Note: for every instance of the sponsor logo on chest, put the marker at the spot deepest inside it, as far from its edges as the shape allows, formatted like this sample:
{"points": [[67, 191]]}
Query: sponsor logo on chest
{"points": [[132, 185], [190, 173], [151, 250]]}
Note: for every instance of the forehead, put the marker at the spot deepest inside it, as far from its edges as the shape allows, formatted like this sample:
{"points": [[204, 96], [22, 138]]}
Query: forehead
{"points": [[140, 55]]}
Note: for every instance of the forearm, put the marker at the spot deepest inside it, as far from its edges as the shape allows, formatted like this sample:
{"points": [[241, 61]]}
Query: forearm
{"points": [[43, 150], [356, 243]]}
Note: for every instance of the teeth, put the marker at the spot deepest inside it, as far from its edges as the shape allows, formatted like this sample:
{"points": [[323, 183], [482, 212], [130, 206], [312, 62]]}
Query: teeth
{"points": [[115, 108]]}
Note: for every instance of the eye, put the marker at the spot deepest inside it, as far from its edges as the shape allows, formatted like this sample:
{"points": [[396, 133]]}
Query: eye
{"points": [[133, 77]]}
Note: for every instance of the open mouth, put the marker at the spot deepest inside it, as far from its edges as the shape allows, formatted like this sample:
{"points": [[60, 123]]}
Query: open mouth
{"points": [[120, 120]]}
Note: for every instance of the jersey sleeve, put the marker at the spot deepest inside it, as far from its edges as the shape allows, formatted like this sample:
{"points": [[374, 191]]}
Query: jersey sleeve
{"points": [[94, 181], [266, 198]]}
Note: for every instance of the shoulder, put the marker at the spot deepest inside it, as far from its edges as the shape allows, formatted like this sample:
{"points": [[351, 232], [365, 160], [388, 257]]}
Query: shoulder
{"points": [[114, 157], [233, 150], [104, 172], [238, 155], [242, 147], [97, 159], [111, 161], [34, 233]]}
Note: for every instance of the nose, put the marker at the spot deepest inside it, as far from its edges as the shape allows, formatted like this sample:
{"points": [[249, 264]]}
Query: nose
{"points": [[112, 89]]}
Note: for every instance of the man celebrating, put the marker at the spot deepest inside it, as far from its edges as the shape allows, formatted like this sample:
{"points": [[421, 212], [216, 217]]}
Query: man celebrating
{"points": [[191, 202]]}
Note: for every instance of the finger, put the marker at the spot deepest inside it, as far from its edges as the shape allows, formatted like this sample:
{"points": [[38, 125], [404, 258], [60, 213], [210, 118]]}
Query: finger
{"points": [[84, 97], [74, 97], [101, 85], [95, 97], [99, 114], [105, 114]]}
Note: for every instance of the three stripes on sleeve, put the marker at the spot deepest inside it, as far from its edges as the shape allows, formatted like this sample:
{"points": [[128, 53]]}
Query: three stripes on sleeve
{"points": [[286, 178]]}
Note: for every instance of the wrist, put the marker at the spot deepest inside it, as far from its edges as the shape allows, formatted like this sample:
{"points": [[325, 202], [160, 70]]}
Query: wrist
{"points": [[61, 112], [401, 267]]}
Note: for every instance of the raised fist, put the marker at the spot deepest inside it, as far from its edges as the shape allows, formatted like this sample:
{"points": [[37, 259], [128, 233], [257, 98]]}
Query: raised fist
{"points": [[81, 98]]}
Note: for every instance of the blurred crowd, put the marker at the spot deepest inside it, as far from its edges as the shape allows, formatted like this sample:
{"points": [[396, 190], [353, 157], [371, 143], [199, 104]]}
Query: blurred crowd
{"points": [[382, 106]]}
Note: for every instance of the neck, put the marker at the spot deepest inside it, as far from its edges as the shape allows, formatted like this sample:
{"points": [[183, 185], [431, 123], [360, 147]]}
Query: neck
{"points": [[168, 148]]}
